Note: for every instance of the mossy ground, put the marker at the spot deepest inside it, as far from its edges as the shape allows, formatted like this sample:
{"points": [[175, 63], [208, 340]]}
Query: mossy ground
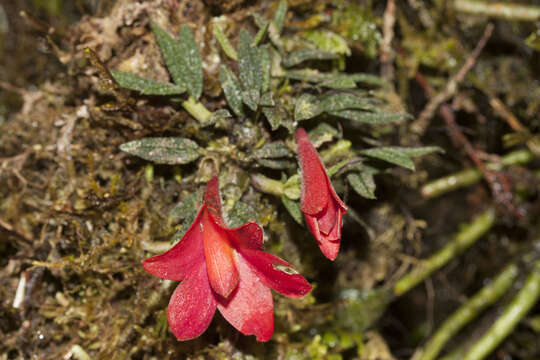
{"points": [[77, 215]]}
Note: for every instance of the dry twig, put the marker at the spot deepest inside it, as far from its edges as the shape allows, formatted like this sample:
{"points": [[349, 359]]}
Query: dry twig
{"points": [[421, 124]]}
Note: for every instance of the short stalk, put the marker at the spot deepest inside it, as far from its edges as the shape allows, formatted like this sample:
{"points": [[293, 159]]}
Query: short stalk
{"points": [[267, 185], [197, 110]]}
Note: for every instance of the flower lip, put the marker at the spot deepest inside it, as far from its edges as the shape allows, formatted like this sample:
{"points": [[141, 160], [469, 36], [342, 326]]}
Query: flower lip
{"points": [[222, 272]]}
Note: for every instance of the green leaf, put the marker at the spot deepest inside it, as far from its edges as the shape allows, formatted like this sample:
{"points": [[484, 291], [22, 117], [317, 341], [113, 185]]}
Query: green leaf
{"points": [[267, 99], [218, 115], [232, 89], [339, 83], [420, 151], [391, 154], [241, 213], [280, 164], [328, 41], [279, 16], [274, 115], [163, 150], [307, 106], [260, 34], [223, 41], [182, 58], [299, 56], [146, 86], [367, 79], [293, 207], [266, 65], [272, 150], [315, 76], [187, 209], [363, 183], [369, 117], [190, 62], [250, 69], [172, 52], [321, 134], [344, 101], [292, 187]]}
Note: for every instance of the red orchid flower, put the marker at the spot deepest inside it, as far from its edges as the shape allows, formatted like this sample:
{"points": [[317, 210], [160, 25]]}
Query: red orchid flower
{"points": [[225, 269], [322, 208]]}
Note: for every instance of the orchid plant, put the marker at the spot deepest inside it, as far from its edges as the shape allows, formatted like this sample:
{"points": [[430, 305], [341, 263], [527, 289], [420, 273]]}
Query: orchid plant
{"points": [[290, 78]]}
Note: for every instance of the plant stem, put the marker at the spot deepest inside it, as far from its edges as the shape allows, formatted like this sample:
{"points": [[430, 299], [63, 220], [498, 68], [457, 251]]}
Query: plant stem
{"points": [[512, 315], [267, 185], [197, 110], [467, 236], [338, 149], [471, 176], [467, 312], [505, 10]]}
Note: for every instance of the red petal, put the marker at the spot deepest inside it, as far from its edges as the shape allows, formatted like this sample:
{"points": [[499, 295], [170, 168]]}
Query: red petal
{"points": [[335, 234], [250, 308], [329, 248], [328, 217], [314, 195], [192, 305], [211, 196], [218, 253], [176, 263], [340, 203], [293, 285], [248, 236]]}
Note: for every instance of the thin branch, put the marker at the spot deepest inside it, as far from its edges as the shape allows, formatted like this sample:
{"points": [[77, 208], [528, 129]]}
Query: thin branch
{"points": [[387, 53], [421, 124]]}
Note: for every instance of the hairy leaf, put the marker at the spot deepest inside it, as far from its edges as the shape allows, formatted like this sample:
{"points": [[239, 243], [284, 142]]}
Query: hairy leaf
{"points": [[339, 83], [163, 150], [191, 62], [232, 89], [187, 209], [241, 213], [369, 117], [279, 164], [344, 101], [420, 151], [146, 86], [274, 115], [301, 55], [279, 16], [363, 183], [328, 41], [391, 154], [321, 134], [172, 52], [272, 150], [293, 207], [250, 69], [307, 107], [223, 41]]}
